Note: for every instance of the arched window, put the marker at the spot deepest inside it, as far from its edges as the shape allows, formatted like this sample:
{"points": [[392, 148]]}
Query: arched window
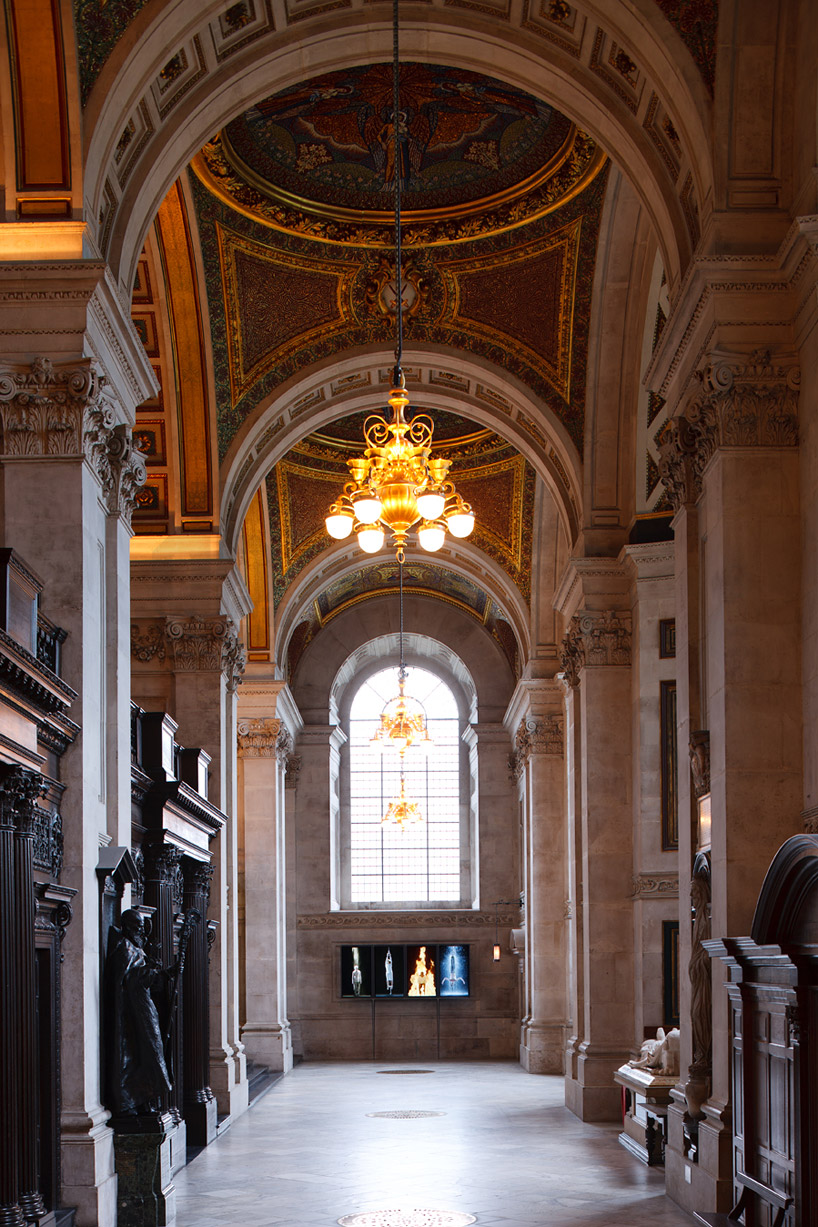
{"points": [[426, 863]]}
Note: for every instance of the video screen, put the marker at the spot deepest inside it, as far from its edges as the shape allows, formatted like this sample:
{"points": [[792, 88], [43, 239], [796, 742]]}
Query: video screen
{"points": [[397, 971]]}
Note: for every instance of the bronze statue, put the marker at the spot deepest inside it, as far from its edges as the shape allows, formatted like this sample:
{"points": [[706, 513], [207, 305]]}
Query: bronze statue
{"points": [[137, 1073]]}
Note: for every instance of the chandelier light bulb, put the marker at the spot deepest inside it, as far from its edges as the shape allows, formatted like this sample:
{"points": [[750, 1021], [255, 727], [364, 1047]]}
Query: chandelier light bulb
{"points": [[431, 535], [370, 538], [339, 522], [460, 522], [430, 504], [367, 508]]}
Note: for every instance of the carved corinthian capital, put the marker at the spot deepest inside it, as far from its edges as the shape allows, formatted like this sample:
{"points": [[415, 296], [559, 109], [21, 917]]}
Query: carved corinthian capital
{"points": [[543, 736], [595, 638], [66, 410], [208, 644], [739, 401], [259, 738]]}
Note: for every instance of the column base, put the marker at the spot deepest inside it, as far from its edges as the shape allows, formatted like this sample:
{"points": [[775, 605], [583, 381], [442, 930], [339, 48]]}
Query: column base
{"points": [[146, 1196], [702, 1180], [228, 1081], [542, 1048], [592, 1094], [88, 1179], [201, 1119], [270, 1045]]}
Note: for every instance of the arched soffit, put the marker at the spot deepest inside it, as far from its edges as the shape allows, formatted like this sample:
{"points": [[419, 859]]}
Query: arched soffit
{"points": [[619, 301], [436, 377], [418, 650], [788, 901], [482, 658], [622, 74], [458, 576]]}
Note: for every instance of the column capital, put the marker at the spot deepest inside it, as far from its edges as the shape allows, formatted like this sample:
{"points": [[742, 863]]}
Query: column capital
{"points": [[65, 410], [191, 644], [20, 788], [534, 736], [258, 738], [734, 400], [595, 637]]}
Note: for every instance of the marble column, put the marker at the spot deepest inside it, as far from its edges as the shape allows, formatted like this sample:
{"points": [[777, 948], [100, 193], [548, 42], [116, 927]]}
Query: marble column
{"points": [[73, 371], [538, 764], [265, 752], [731, 465], [187, 659], [596, 658]]}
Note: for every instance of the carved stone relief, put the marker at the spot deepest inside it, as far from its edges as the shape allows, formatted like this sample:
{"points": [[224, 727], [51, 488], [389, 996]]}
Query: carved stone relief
{"points": [[544, 736], [595, 638], [191, 644], [258, 738]]}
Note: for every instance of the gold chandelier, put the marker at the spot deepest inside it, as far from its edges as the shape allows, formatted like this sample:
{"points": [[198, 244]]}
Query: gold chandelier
{"points": [[397, 483], [402, 812], [403, 719]]}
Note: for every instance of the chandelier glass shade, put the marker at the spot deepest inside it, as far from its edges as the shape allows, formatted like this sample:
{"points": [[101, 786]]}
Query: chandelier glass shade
{"points": [[398, 484], [402, 811], [403, 724]]}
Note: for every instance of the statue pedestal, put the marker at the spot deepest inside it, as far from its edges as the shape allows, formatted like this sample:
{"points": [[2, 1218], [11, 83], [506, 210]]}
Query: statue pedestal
{"points": [[145, 1193], [644, 1118]]}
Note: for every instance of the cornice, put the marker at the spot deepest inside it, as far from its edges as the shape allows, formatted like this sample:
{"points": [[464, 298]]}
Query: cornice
{"points": [[406, 920]]}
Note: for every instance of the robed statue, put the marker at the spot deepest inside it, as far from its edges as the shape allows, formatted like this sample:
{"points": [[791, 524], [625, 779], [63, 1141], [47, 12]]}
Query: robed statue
{"points": [[136, 1070]]}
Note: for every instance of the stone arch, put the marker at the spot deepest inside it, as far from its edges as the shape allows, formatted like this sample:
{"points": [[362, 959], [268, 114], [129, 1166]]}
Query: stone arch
{"points": [[460, 383], [169, 122], [787, 910]]}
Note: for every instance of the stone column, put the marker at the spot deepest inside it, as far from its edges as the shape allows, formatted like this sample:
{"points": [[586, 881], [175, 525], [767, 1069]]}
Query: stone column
{"points": [[199, 1102], [538, 764], [575, 965], [731, 466], [185, 648], [596, 658], [265, 750], [70, 476], [11, 1215]]}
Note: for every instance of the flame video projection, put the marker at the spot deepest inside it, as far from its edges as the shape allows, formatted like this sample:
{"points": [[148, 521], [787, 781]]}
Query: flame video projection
{"points": [[397, 971]]}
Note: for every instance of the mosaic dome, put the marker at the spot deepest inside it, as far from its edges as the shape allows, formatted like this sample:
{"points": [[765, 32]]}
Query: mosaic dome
{"points": [[468, 141]]}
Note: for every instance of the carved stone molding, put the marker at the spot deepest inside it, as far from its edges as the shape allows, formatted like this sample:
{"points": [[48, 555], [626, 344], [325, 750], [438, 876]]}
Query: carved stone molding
{"points": [[700, 761], [293, 770], [545, 736], [595, 638], [405, 920], [258, 738], [20, 788], [58, 411], [741, 402], [652, 886]]}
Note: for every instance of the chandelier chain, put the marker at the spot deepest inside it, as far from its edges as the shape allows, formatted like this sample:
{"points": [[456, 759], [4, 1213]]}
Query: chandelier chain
{"points": [[397, 171]]}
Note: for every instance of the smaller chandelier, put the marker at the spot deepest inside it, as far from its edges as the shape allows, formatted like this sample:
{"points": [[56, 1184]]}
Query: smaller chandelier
{"points": [[403, 723], [402, 812], [397, 483]]}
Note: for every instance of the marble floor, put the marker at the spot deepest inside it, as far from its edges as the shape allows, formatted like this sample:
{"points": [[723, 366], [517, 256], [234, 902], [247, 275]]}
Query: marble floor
{"points": [[501, 1146]]}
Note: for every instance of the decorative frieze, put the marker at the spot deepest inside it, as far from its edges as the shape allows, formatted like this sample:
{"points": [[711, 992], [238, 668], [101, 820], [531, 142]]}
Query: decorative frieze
{"points": [[543, 736], [595, 638], [60, 411], [259, 738], [654, 886], [741, 402], [406, 920]]}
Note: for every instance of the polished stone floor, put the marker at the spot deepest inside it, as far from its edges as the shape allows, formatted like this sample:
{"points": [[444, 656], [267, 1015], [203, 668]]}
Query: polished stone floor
{"points": [[506, 1151]]}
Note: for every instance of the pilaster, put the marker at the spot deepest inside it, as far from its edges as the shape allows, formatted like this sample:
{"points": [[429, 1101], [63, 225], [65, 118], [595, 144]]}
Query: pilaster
{"points": [[538, 766], [596, 660], [72, 374], [266, 754]]}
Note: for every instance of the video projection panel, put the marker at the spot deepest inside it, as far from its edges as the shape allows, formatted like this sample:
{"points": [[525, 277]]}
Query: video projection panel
{"points": [[432, 969]]}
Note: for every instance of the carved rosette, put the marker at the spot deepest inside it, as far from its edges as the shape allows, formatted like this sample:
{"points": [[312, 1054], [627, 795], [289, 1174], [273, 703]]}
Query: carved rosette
{"points": [[740, 402], [259, 738], [66, 410], [595, 638], [543, 736]]}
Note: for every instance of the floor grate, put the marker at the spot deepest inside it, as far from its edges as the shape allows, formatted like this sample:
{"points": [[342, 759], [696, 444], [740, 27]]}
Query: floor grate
{"points": [[405, 1071], [407, 1218], [405, 1115]]}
